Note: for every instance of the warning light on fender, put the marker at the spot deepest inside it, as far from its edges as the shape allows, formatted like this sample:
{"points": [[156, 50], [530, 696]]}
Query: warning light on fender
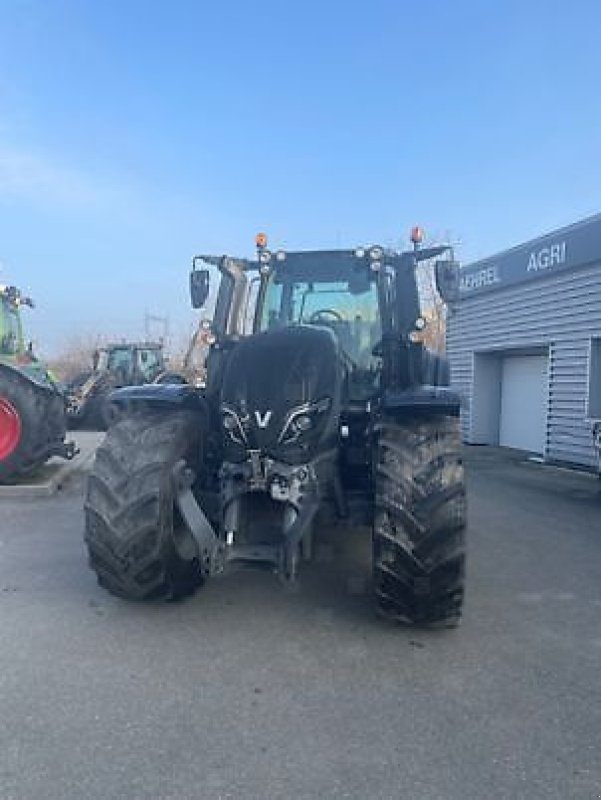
{"points": [[261, 240]]}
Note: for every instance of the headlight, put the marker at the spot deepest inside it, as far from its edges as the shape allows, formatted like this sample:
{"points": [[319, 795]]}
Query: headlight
{"points": [[303, 423], [360, 252], [232, 424], [376, 253], [264, 256], [302, 419]]}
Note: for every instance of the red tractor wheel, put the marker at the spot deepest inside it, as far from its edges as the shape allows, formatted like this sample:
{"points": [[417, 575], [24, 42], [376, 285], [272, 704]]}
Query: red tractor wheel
{"points": [[10, 428], [32, 424]]}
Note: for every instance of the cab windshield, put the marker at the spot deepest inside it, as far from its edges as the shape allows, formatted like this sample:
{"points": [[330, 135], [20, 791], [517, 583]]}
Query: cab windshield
{"points": [[351, 315], [120, 358], [335, 291], [11, 330]]}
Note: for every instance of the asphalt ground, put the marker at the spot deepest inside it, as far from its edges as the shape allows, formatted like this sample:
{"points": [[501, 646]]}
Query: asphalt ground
{"points": [[49, 478], [249, 691]]}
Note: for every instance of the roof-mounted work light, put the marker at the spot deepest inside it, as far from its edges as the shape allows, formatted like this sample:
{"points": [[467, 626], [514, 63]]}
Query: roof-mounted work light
{"points": [[417, 235], [261, 241]]}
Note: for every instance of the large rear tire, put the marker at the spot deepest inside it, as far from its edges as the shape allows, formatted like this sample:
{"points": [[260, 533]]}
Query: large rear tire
{"points": [[32, 424], [419, 524], [137, 543]]}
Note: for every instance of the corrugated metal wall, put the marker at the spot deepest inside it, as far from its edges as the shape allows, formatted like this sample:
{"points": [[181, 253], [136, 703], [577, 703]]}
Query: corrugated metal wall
{"points": [[561, 312]]}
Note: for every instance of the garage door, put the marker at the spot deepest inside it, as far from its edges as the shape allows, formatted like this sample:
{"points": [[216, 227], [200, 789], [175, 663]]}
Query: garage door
{"points": [[524, 403]]}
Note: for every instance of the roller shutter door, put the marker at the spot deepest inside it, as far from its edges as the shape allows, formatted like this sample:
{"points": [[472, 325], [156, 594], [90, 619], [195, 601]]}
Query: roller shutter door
{"points": [[524, 403]]}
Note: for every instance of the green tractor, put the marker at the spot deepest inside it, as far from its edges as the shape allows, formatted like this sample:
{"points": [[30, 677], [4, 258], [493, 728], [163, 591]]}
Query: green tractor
{"points": [[330, 410], [32, 407], [114, 366]]}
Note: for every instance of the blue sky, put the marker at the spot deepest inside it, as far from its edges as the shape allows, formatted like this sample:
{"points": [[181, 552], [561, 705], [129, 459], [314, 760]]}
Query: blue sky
{"points": [[134, 134]]}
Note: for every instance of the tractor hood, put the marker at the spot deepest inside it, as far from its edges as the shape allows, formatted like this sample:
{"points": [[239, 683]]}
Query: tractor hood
{"points": [[281, 394]]}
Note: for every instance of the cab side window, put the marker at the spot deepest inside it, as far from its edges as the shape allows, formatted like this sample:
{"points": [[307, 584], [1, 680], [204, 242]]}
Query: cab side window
{"points": [[148, 364]]}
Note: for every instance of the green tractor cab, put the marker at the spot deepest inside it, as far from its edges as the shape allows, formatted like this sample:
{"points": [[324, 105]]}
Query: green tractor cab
{"points": [[32, 407]]}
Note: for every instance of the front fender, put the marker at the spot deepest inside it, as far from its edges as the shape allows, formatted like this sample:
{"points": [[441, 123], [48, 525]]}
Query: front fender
{"points": [[158, 395], [33, 373], [422, 400]]}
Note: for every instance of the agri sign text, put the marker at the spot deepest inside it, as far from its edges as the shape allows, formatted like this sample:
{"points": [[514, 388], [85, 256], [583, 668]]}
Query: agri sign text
{"points": [[547, 257]]}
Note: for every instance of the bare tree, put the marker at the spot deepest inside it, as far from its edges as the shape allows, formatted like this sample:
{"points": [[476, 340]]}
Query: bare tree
{"points": [[75, 356], [433, 309]]}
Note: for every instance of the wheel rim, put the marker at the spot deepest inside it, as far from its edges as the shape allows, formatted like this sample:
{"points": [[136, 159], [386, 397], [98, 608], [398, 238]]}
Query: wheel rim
{"points": [[10, 428]]}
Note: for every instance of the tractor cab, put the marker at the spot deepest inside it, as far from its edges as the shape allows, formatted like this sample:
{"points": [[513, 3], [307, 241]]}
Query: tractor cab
{"points": [[130, 363], [369, 298], [11, 337], [11, 329]]}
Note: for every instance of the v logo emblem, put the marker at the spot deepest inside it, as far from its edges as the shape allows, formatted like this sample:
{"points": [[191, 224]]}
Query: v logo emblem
{"points": [[263, 419]]}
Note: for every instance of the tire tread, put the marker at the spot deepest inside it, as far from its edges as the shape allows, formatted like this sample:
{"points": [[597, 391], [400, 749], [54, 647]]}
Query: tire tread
{"points": [[129, 508], [419, 522]]}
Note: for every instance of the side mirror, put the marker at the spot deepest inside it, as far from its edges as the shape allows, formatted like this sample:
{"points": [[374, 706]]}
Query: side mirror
{"points": [[447, 280], [199, 287]]}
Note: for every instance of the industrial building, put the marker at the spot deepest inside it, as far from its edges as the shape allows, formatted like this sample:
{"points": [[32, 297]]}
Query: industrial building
{"points": [[524, 343]]}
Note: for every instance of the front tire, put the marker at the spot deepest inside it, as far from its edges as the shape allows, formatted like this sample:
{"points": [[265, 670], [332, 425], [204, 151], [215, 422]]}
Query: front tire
{"points": [[138, 545], [419, 523]]}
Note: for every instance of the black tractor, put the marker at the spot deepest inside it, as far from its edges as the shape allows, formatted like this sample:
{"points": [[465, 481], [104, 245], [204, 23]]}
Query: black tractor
{"points": [[329, 410]]}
